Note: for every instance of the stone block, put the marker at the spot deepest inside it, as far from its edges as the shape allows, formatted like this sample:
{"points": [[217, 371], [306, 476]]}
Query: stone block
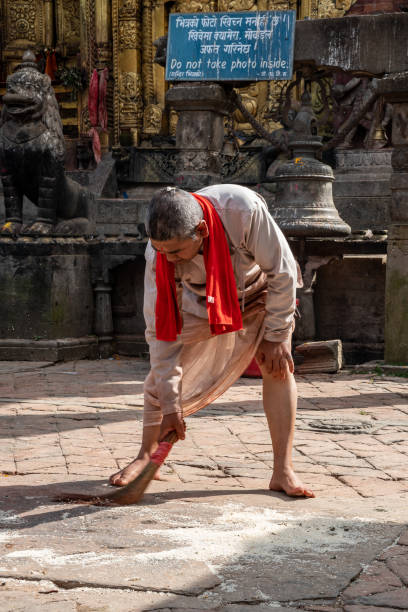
{"points": [[45, 289], [397, 598], [324, 356], [396, 317], [323, 42]]}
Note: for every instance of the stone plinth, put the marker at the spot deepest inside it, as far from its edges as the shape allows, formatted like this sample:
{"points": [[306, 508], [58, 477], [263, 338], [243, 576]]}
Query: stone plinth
{"points": [[202, 108], [361, 189], [348, 42], [46, 301], [396, 304]]}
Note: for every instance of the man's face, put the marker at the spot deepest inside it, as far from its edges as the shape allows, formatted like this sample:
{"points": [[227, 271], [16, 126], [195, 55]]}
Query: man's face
{"points": [[178, 250]]}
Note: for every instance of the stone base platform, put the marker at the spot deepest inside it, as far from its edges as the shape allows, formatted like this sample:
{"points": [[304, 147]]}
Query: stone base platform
{"points": [[63, 349]]}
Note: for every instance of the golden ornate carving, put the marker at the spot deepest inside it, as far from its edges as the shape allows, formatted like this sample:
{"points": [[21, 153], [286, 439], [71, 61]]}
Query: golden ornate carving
{"points": [[22, 21], [128, 8], [68, 22], [281, 5], [91, 34], [129, 35], [115, 62], [249, 96], [327, 9], [130, 98], [237, 5], [152, 120], [194, 6], [147, 64], [269, 113]]}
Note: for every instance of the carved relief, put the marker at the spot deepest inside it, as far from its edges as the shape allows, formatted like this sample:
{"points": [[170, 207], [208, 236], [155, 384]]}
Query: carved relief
{"points": [[249, 97], [270, 113], [281, 5], [68, 21], [21, 21], [190, 161], [130, 98], [128, 8], [327, 9], [129, 35], [194, 6], [152, 120], [237, 5], [173, 121]]}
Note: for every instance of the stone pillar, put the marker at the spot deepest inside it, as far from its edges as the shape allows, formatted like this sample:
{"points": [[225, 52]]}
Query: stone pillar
{"points": [[46, 301], [103, 33], [200, 132], [127, 58], [49, 23], [103, 325], [103, 51], [396, 297]]}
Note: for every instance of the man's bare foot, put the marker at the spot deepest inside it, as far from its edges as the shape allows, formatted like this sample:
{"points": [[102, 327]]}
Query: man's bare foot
{"points": [[130, 472], [288, 482]]}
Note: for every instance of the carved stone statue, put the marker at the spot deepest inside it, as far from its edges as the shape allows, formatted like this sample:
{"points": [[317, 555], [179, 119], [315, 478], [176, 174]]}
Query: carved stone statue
{"points": [[32, 159], [350, 95]]}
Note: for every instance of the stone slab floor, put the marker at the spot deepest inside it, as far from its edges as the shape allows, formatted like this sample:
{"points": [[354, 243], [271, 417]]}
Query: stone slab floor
{"points": [[209, 536]]}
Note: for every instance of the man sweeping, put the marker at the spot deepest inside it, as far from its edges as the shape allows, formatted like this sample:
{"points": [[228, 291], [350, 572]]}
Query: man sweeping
{"points": [[220, 286]]}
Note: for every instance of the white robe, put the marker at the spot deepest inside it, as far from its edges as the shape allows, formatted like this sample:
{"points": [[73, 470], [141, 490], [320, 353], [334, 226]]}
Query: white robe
{"points": [[195, 369]]}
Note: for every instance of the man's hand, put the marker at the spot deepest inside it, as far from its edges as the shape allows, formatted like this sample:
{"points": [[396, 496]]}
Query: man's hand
{"points": [[173, 422], [276, 358]]}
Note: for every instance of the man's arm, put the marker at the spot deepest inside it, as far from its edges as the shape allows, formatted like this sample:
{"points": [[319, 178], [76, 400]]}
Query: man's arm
{"points": [[164, 356], [267, 244]]}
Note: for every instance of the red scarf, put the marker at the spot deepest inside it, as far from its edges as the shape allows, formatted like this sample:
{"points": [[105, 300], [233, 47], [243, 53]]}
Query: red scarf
{"points": [[224, 314]]}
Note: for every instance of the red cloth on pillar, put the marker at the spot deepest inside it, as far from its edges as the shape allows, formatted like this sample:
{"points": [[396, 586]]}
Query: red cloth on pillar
{"points": [[93, 102]]}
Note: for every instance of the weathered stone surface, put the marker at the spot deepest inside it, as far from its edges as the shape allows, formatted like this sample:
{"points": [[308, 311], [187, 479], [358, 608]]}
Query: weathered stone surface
{"points": [[396, 318], [377, 579], [394, 599], [216, 542], [45, 289], [323, 356], [400, 567], [361, 190], [346, 43]]}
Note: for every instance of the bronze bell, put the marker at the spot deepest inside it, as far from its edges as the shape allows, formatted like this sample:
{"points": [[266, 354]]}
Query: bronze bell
{"points": [[304, 205]]}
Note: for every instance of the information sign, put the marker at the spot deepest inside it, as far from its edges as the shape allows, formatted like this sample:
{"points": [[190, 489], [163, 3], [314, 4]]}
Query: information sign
{"points": [[250, 46]]}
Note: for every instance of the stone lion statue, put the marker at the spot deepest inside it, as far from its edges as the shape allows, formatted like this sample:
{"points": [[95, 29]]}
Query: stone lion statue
{"points": [[32, 159]]}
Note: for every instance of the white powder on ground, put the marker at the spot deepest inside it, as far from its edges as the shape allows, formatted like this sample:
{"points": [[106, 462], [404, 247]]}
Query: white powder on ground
{"points": [[231, 533], [7, 517]]}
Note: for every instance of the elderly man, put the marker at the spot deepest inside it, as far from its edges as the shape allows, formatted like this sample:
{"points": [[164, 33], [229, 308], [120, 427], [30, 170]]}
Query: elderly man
{"points": [[220, 288]]}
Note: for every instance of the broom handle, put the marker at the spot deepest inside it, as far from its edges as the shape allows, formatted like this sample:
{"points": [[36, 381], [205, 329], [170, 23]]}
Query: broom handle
{"points": [[159, 456]]}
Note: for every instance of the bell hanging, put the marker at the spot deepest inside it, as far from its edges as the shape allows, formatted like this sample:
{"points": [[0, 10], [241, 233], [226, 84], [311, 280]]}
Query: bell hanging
{"points": [[304, 205]]}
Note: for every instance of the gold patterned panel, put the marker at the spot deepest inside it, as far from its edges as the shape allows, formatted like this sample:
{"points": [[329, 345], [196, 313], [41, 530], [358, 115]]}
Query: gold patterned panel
{"points": [[194, 6], [324, 9], [23, 26], [327, 9], [68, 25], [237, 5], [130, 94], [128, 8], [129, 35], [21, 21]]}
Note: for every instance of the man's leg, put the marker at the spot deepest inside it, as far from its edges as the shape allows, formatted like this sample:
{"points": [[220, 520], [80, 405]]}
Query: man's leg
{"points": [[280, 402], [150, 439]]}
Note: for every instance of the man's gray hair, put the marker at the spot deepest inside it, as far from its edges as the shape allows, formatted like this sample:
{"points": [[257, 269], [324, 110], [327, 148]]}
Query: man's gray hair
{"points": [[173, 213]]}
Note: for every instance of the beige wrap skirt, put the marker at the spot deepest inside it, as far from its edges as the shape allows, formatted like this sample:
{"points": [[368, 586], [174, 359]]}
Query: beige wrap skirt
{"points": [[211, 364]]}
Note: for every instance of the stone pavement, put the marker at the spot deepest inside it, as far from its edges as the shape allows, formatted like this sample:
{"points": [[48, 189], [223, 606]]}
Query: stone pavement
{"points": [[209, 537]]}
